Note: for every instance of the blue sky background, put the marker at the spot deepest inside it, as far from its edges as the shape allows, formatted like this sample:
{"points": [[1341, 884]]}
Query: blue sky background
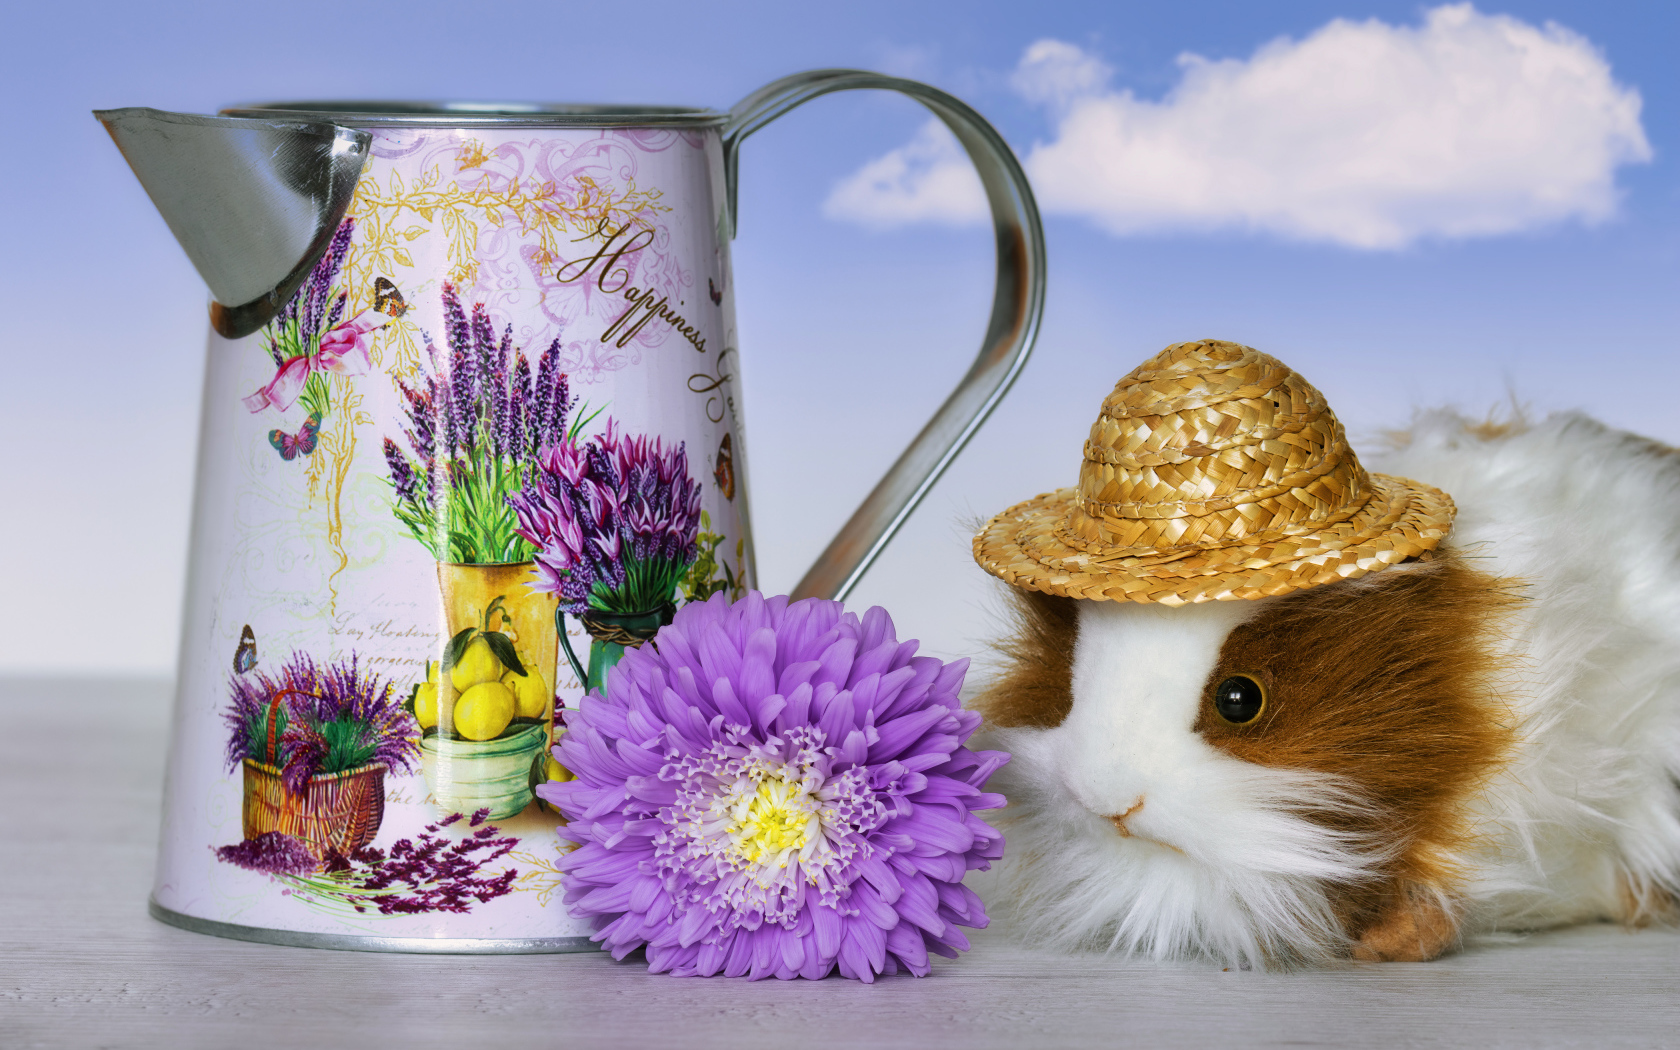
{"points": [[849, 334]]}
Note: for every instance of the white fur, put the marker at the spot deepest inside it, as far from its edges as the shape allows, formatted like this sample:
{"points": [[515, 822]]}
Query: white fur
{"points": [[1222, 859], [1592, 526]]}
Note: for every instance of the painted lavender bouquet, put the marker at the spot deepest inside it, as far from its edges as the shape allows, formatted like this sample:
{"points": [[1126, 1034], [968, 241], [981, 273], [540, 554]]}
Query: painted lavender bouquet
{"points": [[474, 439], [777, 789], [432, 874], [613, 520], [309, 338], [310, 720]]}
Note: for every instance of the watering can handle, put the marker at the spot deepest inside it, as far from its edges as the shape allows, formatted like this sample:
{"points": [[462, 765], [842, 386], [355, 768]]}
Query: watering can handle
{"points": [[1017, 305]]}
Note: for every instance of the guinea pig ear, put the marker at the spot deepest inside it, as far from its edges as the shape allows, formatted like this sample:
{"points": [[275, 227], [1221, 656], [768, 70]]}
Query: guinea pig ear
{"points": [[1033, 683]]}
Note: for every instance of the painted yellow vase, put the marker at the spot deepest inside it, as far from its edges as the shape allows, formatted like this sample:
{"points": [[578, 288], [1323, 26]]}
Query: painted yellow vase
{"points": [[499, 771]]}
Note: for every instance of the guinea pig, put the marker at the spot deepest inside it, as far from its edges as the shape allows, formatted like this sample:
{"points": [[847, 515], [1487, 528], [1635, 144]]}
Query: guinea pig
{"points": [[1282, 737]]}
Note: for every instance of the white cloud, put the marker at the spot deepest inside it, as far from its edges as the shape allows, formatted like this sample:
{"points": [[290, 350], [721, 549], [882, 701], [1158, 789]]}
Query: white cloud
{"points": [[929, 179], [1055, 73], [1362, 134]]}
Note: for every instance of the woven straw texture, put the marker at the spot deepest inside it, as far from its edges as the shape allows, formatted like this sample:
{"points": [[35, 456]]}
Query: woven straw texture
{"points": [[1214, 472], [340, 811]]}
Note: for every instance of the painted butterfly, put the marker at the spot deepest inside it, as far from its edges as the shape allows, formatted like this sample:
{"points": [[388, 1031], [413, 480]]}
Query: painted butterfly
{"points": [[724, 472], [245, 657], [387, 300], [290, 445], [717, 296]]}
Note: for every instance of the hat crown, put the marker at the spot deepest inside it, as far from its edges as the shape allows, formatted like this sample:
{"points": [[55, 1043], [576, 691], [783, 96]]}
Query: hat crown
{"points": [[1211, 444]]}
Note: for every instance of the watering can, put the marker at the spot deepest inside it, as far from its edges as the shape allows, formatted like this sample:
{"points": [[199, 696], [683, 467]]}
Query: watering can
{"points": [[470, 404]]}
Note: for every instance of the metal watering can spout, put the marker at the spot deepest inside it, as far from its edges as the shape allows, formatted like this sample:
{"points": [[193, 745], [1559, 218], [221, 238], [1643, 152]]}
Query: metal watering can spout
{"points": [[254, 202]]}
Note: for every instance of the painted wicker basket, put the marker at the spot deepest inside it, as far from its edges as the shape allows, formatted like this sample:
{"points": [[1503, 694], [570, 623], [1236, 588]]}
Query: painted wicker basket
{"points": [[337, 811], [340, 811]]}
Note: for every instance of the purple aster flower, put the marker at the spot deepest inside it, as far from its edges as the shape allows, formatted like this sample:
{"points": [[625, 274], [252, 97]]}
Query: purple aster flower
{"points": [[777, 789]]}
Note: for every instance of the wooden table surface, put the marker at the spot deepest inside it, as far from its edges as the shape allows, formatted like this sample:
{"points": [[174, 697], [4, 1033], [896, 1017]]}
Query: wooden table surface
{"points": [[82, 965]]}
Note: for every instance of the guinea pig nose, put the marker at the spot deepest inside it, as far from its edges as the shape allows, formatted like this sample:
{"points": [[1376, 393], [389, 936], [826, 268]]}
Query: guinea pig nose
{"points": [[1119, 819]]}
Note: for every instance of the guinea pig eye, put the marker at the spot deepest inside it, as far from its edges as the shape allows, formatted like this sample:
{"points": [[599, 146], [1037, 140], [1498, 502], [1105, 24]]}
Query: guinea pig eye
{"points": [[1239, 699]]}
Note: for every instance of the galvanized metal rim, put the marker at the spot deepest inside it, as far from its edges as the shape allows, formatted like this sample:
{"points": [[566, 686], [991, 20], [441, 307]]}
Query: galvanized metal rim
{"points": [[373, 943], [400, 114]]}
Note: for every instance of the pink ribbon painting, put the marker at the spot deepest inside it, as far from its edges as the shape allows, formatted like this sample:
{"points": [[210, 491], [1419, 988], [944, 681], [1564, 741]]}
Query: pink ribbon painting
{"points": [[343, 350]]}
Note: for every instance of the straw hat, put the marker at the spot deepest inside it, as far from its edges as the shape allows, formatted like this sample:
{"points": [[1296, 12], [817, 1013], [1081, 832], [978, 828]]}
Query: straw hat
{"points": [[1214, 473]]}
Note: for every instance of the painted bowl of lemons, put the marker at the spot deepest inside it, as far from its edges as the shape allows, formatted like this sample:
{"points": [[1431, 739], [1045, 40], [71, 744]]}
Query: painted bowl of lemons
{"points": [[465, 776]]}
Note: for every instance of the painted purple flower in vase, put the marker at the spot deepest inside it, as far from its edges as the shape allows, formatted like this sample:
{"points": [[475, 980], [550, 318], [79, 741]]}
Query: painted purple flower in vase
{"points": [[777, 789], [614, 523], [613, 520]]}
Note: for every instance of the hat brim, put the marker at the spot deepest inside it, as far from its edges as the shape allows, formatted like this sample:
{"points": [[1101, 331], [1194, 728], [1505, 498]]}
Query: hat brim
{"points": [[1025, 546]]}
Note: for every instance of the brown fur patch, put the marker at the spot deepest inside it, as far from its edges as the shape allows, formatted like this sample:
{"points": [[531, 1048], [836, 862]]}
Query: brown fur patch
{"points": [[1034, 681], [1387, 681], [1415, 925]]}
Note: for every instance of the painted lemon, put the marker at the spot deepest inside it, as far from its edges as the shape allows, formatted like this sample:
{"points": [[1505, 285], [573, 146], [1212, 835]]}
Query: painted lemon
{"points": [[484, 711], [477, 664], [426, 704], [431, 671], [530, 692], [557, 772]]}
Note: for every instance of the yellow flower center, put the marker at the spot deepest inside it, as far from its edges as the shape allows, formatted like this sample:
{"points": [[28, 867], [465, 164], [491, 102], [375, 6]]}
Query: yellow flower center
{"points": [[770, 823]]}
